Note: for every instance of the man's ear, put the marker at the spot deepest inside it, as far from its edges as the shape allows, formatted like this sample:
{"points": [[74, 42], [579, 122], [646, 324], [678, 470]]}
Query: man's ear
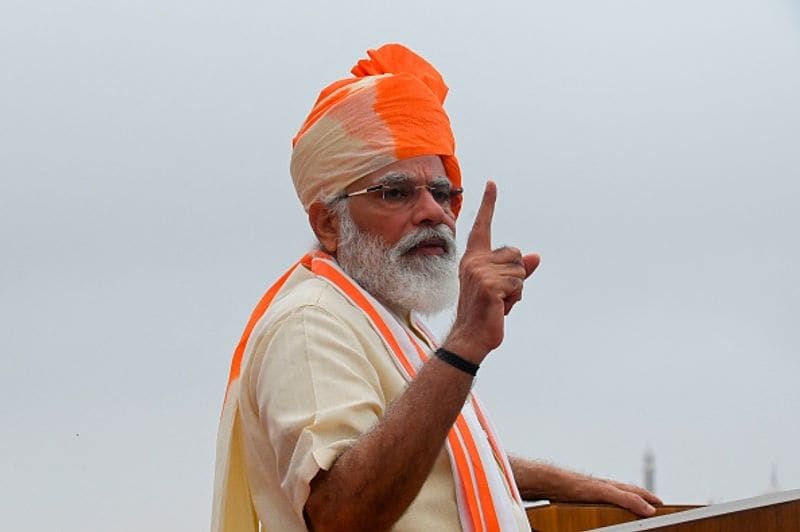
{"points": [[325, 225]]}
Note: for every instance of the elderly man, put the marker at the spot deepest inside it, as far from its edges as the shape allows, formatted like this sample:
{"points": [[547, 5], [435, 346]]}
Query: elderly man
{"points": [[342, 411]]}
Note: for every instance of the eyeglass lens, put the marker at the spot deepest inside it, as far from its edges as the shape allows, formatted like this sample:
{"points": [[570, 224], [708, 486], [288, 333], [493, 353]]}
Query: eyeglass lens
{"points": [[408, 192]]}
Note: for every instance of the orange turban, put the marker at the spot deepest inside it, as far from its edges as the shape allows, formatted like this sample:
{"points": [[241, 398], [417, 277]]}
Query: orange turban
{"points": [[391, 110]]}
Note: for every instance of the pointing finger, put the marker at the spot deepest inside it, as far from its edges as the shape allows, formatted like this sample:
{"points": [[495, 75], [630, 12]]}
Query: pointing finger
{"points": [[480, 237]]}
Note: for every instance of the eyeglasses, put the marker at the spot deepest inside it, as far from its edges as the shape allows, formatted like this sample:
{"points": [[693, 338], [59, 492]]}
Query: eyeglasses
{"points": [[406, 193]]}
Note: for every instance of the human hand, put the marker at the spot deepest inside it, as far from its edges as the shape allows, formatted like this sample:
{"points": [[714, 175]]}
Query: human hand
{"points": [[637, 500], [491, 284]]}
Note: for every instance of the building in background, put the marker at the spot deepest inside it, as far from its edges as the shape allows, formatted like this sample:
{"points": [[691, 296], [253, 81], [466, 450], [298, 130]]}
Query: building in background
{"points": [[774, 487], [649, 470]]}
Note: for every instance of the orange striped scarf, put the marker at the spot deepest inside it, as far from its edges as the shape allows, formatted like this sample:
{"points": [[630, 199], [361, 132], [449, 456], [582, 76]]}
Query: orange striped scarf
{"points": [[482, 488]]}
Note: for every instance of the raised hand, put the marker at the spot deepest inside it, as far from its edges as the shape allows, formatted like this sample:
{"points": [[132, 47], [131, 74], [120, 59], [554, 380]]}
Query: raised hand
{"points": [[491, 283]]}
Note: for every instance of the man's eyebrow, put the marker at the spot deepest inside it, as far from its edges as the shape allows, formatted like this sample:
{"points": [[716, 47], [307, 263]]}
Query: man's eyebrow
{"points": [[402, 177], [394, 177]]}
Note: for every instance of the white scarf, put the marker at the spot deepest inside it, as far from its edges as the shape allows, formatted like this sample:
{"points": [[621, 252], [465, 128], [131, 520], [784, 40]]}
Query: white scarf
{"points": [[482, 488]]}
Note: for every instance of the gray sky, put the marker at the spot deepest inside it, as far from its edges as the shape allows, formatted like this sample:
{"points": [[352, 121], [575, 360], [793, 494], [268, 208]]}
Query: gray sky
{"points": [[648, 151]]}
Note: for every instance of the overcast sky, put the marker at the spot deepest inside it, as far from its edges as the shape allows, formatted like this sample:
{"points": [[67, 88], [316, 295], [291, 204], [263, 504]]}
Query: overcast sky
{"points": [[648, 151]]}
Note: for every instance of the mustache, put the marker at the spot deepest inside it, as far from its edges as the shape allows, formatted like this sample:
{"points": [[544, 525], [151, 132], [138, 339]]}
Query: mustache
{"points": [[412, 240]]}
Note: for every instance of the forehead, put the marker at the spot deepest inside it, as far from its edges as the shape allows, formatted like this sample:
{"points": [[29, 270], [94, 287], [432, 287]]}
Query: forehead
{"points": [[419, 168]]}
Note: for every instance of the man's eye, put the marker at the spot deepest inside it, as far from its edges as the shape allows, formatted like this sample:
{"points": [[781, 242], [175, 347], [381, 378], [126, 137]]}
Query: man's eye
{"points": [[440, 194], [395, 193]]}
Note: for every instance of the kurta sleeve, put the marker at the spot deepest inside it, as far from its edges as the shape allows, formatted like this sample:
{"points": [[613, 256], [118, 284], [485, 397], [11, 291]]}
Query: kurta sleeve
{"points": [[315, 393]]}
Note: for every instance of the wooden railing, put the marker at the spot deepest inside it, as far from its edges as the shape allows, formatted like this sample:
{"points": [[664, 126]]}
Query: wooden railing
{"points": [[775, 512], [568, 517]]}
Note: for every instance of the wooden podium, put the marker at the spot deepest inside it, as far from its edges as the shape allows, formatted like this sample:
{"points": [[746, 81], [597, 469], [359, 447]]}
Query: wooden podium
{"points": [[776, 512]]}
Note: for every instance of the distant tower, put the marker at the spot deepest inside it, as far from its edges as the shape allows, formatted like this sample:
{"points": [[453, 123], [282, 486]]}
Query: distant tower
{"points": [[650, 470], [773, 480]]}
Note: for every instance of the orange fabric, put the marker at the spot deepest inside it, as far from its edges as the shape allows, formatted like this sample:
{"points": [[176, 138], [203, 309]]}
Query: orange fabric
{"points": [[496, 445], [259, 311], [477, 493], [323, 269], [468, 482], [391, 110], [484, 493], [397, 94], [395, 58], [329, 97], [484, 421], [475, 470]]}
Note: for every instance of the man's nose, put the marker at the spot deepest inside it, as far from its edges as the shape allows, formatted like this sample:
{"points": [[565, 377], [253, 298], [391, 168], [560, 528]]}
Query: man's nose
{"points": [[426, 210]]}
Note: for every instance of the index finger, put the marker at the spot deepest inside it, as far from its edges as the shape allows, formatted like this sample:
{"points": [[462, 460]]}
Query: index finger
{"points": [[480, 237]]}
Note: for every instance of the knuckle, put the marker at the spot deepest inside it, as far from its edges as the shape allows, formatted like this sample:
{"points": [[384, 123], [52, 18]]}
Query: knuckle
{"points": [[511, 285], [515, 252], [508, 254]]}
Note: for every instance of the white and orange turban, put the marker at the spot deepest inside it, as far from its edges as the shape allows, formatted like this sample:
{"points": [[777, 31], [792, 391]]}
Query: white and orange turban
{"points": [[391, 110]]}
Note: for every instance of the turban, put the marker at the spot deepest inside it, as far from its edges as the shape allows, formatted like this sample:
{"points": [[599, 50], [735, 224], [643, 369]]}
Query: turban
{"points": [[390, 110]]}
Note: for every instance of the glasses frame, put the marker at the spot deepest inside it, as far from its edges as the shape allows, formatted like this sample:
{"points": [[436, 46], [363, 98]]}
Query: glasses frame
{"points": [[455, 192]]}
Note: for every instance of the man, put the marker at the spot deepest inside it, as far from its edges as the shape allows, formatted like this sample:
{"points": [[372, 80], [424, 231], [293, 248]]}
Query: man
{"points": [[342, 412]]}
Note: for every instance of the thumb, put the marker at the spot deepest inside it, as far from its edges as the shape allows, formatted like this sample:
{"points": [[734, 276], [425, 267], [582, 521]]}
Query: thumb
{"points": [[531, 262]]}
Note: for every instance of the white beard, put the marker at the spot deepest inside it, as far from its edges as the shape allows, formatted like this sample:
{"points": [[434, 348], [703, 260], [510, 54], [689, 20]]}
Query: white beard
{"points": [[427, 284]]}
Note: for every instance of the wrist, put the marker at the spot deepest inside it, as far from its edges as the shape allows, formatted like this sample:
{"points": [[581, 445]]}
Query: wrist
{"points": [[457, 361], [466, 349]]}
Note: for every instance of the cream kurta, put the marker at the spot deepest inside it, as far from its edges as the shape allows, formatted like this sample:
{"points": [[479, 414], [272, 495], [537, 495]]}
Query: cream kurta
{"points": [[315, 377]]}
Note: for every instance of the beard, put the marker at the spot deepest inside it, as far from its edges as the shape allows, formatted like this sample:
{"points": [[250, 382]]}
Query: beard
{"points": [[396, 276]]}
